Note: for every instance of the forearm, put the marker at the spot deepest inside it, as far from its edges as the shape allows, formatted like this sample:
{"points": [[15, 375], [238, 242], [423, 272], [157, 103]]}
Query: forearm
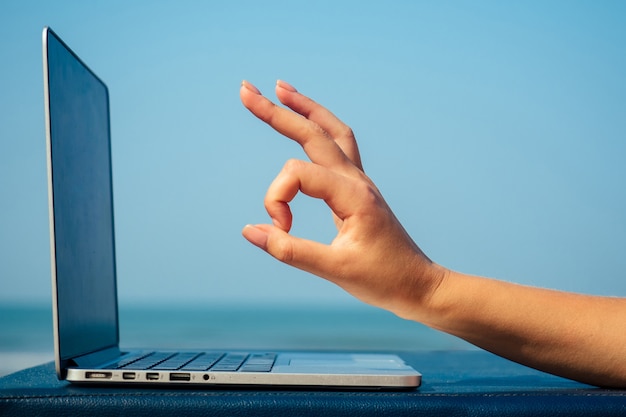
{"points": [[575, 336]]}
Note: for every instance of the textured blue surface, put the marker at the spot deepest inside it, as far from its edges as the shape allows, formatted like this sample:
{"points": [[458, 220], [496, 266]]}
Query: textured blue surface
{"points": [[455, 384]]}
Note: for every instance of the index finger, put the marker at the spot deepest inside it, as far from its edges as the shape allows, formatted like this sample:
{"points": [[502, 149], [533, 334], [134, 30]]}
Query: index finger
{"points": [[343, 194]]}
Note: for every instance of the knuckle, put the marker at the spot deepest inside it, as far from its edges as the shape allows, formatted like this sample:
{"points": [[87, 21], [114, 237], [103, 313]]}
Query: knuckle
{"points": [[309, 132], [346, 132], [292, 166], [370, 196], [282, 249]]}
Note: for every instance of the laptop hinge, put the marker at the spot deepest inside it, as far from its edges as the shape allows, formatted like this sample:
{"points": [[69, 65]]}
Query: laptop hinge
{"points": [[96, 359]]}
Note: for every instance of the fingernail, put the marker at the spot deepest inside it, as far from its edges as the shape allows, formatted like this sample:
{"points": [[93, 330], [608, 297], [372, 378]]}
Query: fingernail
{"points": [[250, 87], [255, 236], [286, 86]]}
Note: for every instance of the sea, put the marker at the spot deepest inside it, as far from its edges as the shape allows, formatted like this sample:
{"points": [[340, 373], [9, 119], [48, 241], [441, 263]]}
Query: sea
{"points": [[26, 336]]}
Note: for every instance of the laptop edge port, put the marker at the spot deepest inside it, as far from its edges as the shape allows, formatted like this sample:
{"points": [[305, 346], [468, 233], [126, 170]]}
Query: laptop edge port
{"points": [[180, 376], [98, 375], [152, 376]]}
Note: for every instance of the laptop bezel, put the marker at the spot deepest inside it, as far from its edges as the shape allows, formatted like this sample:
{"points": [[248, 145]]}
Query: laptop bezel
{"points": [[105, 351]]}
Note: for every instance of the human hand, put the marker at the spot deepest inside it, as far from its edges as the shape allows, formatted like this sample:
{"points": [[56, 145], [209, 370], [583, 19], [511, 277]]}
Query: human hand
{"points": [[372, 256]]}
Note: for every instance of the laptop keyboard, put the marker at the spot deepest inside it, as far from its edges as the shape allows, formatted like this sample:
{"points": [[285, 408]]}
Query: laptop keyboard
{"points": [[199, 361]]}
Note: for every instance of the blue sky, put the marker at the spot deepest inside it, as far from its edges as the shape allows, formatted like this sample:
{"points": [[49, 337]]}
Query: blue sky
{"points": [[496, 131]]}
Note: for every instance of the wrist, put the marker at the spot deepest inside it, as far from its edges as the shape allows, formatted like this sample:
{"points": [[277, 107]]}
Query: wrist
{"points": [[419, 300]]}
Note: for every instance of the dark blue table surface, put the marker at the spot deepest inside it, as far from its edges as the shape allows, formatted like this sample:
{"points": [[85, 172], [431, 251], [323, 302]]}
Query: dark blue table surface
{"points": [[454, 384]]}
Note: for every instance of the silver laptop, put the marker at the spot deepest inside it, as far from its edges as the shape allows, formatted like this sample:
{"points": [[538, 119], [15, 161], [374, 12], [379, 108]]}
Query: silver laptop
{"points": [[84, 289]]}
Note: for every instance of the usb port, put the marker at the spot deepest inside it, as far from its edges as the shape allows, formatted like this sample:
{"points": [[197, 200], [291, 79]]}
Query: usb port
{"points": [[180, 376], [152, 376], [128, 375]]}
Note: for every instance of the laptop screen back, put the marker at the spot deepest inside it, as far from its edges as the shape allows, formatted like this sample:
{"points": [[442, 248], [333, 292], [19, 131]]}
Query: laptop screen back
{"points": [[81, 203]]}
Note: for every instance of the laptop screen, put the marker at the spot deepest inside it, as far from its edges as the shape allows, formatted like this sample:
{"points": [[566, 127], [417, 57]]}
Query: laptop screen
{"points": [[79, 169]]}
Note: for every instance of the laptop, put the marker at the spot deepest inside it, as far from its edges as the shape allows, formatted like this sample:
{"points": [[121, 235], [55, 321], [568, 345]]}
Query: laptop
{"points": [[84, 292]]}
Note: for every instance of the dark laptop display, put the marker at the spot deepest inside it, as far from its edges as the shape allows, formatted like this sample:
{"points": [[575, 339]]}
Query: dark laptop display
{"points": [[82, 197]]}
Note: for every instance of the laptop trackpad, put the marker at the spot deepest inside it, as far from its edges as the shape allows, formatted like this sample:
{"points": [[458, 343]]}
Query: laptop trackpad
{"points": [[339, 360]]}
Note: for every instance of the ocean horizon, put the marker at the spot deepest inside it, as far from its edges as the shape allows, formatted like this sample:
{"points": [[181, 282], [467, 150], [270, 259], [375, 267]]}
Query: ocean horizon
{"points": [[26, 337]]}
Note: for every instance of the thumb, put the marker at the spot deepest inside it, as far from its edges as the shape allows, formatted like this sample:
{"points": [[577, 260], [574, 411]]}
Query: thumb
{"points": [[300, 253]]}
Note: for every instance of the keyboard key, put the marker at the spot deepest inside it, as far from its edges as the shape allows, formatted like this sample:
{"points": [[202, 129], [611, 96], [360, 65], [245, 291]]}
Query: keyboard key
{"points": [[256, 368], [203, 362], [260, 362], [149, 361], [230, 362], [127, 359], [175, 362]]}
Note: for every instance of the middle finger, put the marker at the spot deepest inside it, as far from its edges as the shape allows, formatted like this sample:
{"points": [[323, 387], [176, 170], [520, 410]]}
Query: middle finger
{"points": [[320, 147]]}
